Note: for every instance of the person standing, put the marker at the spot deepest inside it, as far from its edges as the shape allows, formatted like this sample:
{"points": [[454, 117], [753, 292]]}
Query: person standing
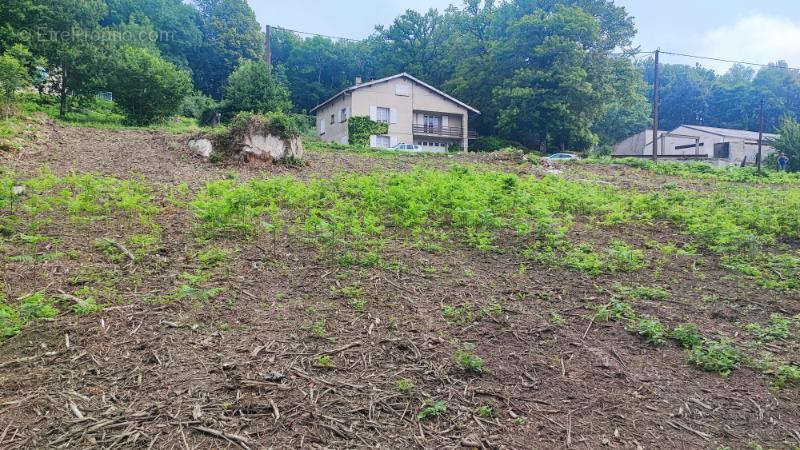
{"points": [[783, 161]]}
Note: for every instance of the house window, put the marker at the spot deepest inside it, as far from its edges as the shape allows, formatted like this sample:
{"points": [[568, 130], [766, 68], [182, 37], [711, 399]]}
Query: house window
{"points": [[333, 118], [383, 115], [722, 150], [433, 123], [383, 142], [343, 115]]}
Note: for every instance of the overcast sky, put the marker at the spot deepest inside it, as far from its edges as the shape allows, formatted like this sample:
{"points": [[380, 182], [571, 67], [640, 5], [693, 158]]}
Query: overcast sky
{"points": [[760, 31]]}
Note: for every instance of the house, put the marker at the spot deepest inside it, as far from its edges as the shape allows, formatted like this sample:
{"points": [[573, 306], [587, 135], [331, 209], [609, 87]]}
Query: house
{"points": [[416, 113], [722, 146]]}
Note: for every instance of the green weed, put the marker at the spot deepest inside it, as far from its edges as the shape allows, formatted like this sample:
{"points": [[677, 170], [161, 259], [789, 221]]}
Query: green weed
{"points": [[778, 328], [485, 411], [437, 409], [404, 386], [324, 361], [715, 356], [687, 335], [468, 361], [652, 330], [461, 315]]}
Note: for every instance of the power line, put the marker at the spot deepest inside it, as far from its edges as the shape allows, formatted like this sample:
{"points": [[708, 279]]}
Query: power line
{"points": [[315, 34], [711, 58]]}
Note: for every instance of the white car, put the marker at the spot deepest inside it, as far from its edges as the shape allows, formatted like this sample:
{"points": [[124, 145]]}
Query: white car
{"points": [[559, 157], [407, 148]]}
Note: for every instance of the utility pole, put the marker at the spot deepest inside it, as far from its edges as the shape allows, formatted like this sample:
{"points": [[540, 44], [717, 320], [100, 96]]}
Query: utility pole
{"points": [[656, 106], [760, 134], [268, 46]]}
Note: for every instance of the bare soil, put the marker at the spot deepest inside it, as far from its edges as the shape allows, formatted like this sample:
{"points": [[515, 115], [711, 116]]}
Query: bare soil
{"points": [[243, 369]]}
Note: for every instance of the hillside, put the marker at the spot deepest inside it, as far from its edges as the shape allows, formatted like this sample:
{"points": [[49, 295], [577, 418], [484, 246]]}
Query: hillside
{"points": [[151, 299]]}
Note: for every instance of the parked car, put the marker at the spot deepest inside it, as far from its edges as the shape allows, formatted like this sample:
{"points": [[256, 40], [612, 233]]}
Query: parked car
{"points": [[560, 157], [407, 148]]}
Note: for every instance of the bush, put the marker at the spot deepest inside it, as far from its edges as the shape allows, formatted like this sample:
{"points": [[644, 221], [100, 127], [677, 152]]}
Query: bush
{"points": [[715, 356], [361, 128], [253, 87], [13, 76], [789, 143], [196, 104], [492, 144], [148, 88]]}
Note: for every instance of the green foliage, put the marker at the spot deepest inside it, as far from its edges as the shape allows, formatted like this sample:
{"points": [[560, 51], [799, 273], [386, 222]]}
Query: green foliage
{"points": [[461, 314], [148, 88], [468, 361], [325, 361], [652, 330], [404, 386], [788, 142], [787, 375], [715, 356], [701, 170], [253, 87], [484, 411], [32, 307], [360, 128], [646, 292], [230, 34], [491, 144], [213, 257], [437, 409], [86, 306], [778, 328], [616, 310], [194, 105], [13, 77], [687, 335]]}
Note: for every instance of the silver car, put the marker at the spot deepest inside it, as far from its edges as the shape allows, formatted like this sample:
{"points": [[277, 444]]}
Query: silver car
{"points": [[560, 157]]}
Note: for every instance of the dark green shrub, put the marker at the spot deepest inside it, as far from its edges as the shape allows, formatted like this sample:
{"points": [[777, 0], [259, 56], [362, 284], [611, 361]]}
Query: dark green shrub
{"points": [[195, 105], [491, 144], [687, 335], [254, 87], [147, 87], [715, 356]]}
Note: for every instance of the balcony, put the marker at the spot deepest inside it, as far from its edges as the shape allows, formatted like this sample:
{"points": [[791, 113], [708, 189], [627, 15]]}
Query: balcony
{"points": [[451, 132]]}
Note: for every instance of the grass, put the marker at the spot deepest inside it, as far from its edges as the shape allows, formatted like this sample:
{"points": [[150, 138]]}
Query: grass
{"points": [[779, 327], [96, 113]]}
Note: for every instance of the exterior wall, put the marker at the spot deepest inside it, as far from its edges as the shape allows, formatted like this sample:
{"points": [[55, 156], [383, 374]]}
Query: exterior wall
{"points": [[384, 95], [641, 144], [338, 131], [409, 108]]}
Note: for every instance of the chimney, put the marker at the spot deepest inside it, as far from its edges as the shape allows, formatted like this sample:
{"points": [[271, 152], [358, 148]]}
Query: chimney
{"points": [[359, 80]]}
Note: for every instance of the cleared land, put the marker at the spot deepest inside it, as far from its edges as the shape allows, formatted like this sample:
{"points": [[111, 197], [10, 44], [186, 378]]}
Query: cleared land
{"points": [[152, 299]]}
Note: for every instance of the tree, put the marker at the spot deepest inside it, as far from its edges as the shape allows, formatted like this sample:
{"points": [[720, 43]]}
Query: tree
{"points": [[69, 36], [147, 87], [253, 87], [230, 33], [789, 142], [13, 76]]}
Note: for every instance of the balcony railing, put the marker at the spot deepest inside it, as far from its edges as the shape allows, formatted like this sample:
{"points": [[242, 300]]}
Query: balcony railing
{"points": [[455, 132]]}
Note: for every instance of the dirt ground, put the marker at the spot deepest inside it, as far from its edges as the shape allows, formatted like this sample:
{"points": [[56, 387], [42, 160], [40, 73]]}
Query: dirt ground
{"points": [[245, 369]]}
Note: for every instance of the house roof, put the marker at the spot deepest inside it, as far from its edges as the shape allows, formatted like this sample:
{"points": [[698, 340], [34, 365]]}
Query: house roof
{"points": [[727, 132], [399, 75]]}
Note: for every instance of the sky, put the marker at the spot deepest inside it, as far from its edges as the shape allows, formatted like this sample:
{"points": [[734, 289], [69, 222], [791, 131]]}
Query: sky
{"points": [[759, 31]]}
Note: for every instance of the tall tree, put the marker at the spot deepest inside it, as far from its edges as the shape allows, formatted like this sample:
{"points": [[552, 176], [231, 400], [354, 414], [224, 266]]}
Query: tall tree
{"points": [[69, 36], [230, 33]]}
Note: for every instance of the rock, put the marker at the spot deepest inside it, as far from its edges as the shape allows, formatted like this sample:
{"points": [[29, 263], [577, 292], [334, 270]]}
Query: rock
{"points": [[202, 147], [271, 148], [17, 190]]}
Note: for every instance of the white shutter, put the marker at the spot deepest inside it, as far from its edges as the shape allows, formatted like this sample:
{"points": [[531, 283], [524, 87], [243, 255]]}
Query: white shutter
{"points": [[322, 126], [445, 121], [373, 113], [417, 119], [393, 115], [393, 141], [373, 141]]}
